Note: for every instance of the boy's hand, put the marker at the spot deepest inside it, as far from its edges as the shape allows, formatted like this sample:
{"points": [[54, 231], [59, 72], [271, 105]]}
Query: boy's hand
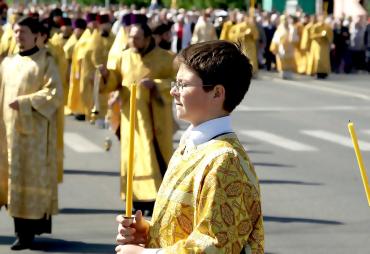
{"points": [[135, 233]]}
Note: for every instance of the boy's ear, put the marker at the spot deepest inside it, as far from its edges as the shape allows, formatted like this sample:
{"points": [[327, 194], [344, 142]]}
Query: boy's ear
{"points": [[219, 91]]}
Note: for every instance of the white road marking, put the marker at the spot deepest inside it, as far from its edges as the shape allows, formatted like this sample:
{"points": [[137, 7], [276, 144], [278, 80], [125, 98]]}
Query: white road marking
{"points": [[278, 140], [335, 138], [366, 131], [80, 144], [323, 88]]}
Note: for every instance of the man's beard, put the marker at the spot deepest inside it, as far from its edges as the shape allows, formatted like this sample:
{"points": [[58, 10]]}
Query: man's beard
{"points": [[165, 44], [104, 33], [140, 50]]}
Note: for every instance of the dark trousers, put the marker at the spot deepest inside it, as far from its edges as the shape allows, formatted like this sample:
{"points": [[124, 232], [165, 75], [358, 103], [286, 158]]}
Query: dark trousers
{"points": [[320, 75], [30, 228]]}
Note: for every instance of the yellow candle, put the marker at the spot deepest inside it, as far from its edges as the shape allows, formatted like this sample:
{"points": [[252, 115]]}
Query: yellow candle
{"points": [[326, 6], [130, 170], [360, 162], [251, 12]]}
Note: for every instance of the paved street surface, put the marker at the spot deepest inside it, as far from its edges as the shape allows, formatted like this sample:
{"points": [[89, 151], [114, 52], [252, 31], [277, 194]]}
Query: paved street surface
{"points": [[296, 134]]}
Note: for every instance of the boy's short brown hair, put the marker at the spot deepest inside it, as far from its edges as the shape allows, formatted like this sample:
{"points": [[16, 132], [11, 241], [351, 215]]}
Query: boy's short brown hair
{"points": [[220, 63]]}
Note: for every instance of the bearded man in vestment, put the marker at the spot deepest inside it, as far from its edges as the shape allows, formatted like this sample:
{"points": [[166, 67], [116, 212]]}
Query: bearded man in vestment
{"points": [[30, 94], [151, 68]]}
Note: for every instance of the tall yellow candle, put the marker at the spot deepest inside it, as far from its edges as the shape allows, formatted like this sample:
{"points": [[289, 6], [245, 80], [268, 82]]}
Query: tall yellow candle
{"points": [[130, 170], [326, 6], [251, 12], [360, 162]]}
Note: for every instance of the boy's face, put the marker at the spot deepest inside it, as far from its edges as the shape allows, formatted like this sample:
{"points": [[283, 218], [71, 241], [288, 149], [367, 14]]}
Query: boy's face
{"points": [[193, 104]]}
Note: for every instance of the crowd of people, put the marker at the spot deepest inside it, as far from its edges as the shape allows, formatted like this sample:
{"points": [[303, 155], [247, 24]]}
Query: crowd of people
{"points": [[82, 61]]}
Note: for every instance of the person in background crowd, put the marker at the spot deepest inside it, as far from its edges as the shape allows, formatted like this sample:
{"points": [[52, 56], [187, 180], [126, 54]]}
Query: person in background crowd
{"points": [[357, 46], [227, 26], [163, 36], [75, 103], [340, 57], [367, 45], [178, 33], [30, 94], [269, 26], [261, 42], [322, 36], [283, 45], [43, 41], [246, 32], [204, 29]]}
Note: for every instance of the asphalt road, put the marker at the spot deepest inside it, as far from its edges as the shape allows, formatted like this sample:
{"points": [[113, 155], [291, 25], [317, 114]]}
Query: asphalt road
{"points": [[296, 135]]}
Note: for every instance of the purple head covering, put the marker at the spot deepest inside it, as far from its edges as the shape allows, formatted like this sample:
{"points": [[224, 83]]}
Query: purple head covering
{"points": [[79, 23]]}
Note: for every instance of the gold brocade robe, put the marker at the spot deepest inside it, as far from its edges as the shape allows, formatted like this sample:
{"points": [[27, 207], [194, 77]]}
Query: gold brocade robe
{"points": [[322, 36], [306, 47], [209, 201], [203, 31], [96, 53], [74, 97], [69, 46], [68, 51], [300, 54], [153, 115], [57, 52], [247, 34], [1, 31], [28, 136], [8, 45], [120, 43], [226, 30], [58, 39], [283, 46]]}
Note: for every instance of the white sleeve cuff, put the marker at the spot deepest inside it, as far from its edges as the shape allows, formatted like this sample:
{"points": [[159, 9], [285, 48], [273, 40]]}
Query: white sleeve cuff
{"points": [[152, 251]]}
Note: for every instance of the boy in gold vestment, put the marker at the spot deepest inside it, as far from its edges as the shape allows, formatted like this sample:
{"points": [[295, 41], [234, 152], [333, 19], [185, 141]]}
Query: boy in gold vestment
{"points": [[209, 200]]}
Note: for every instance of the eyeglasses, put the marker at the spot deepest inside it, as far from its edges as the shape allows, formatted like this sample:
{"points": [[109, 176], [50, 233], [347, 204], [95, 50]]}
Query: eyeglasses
{"points": [[180, 86]]}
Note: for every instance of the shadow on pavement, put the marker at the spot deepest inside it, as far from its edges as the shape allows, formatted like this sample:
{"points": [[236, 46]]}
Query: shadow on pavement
{"points": [[287, 182], [300, 220], [4, 240], [266, 164], [57, 245], [88, 211], [94, 173]]}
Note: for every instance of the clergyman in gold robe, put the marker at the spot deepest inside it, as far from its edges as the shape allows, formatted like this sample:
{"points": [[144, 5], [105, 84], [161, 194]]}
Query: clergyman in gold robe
{"points": [[322, 36], [209, 200], [151, 67], [30, 94]]}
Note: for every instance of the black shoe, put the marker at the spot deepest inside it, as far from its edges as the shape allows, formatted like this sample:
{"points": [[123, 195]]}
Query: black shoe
{"points": [[22, 243], [80, 117]]}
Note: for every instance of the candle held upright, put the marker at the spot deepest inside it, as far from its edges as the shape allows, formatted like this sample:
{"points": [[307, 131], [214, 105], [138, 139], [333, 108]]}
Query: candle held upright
{"points": [[360, 162], [130, 170]]}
